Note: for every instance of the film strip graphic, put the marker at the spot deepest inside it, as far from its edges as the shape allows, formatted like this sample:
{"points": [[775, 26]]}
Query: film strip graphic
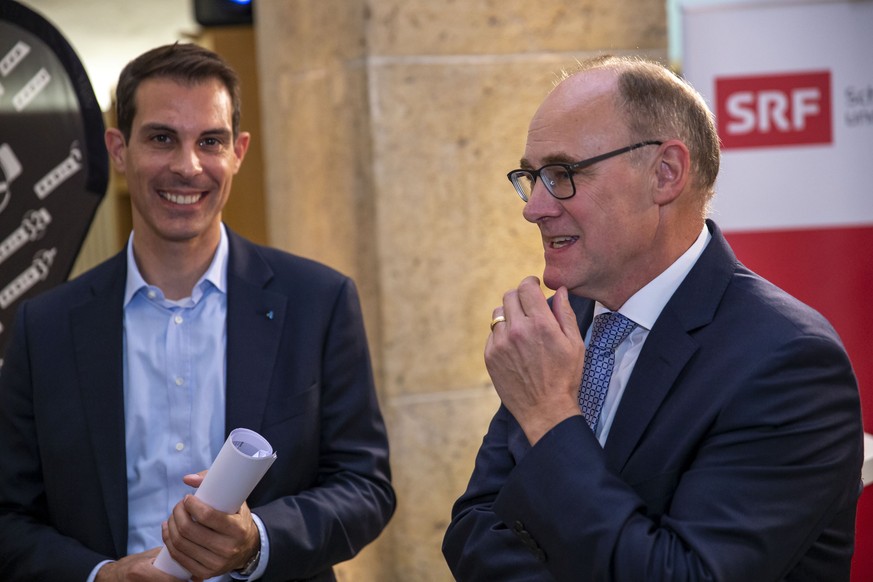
{"points": [[15, 55], [34, 86], [35, 222], [10, 60], [32, 275], [32, 228], [60, 173]]}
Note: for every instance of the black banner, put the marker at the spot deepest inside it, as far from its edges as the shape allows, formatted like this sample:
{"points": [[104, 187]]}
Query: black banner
{"points": [[53, 162]]}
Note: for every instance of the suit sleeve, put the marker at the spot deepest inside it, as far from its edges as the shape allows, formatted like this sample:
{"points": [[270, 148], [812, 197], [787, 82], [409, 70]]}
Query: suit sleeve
{"points": [[30, 548], [349, 499], [777, 468], [478, 544]]}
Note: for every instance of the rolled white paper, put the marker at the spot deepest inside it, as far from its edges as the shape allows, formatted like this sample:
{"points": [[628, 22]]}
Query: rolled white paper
{"points": [[239, 466]]}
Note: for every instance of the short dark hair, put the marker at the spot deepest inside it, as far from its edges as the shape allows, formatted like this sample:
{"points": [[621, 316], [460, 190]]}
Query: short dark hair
{"points": [[183, 62]]}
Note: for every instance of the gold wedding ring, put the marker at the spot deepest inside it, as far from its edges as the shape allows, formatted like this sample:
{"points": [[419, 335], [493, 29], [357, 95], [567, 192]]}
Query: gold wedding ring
{"points": [[496, 320]]}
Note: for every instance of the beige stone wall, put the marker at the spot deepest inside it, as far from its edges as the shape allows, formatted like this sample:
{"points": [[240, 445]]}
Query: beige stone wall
{"points": [[388, 128]]}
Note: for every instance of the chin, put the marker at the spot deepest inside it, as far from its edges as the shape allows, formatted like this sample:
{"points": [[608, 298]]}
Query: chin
{"points": [[552, 280], [555, 278]]}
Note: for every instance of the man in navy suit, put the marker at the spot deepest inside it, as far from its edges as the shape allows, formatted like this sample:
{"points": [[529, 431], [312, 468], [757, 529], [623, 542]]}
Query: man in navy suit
{"points": [[728, 442], [120, 387]]}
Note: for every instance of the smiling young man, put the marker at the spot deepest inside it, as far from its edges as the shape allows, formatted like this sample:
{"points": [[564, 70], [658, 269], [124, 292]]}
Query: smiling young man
{"points": [[668, 414], [179, 155], [120, 386]]}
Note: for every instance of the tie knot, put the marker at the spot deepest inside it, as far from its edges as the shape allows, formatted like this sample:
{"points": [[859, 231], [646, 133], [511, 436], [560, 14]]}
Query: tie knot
{"points": [[609, 329]]}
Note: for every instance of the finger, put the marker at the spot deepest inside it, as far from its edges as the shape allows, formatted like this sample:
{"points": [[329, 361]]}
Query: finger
{"points": [[512, 307], [189, 554], [182, 524], [200, 512], [531, 297], [497, 318], [564, 313], [194, 479]]}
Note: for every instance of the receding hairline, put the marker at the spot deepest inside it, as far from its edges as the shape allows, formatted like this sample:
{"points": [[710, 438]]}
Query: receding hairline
{"points": [[651, 98], [616, 63]]}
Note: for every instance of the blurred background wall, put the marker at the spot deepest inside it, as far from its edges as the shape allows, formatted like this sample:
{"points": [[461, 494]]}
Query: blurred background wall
{"points": [[383, 130], [388, 128]]}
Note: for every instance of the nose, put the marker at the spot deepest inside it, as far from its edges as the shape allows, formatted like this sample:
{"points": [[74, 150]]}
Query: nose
{"points": [[540, 204], [186, 162]]}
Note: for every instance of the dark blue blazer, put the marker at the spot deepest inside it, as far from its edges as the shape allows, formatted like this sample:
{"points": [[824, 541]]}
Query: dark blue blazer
{"points": [[735, 454], [298, 372]]}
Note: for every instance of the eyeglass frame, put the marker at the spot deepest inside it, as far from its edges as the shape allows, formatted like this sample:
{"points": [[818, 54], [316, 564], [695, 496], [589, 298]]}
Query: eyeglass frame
{"points": [[570, 169]]}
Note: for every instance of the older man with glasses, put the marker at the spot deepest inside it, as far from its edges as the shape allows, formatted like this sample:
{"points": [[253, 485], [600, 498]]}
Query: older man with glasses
{"points": [[667, 414]]}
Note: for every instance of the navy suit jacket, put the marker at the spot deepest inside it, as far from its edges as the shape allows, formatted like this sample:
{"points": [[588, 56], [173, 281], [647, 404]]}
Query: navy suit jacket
{"points": [[735, 454], [298, 372]]}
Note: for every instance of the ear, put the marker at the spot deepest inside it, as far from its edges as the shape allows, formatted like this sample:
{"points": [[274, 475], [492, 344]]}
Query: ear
{"points": [[673, 171], [240, 147], [115, 145]]}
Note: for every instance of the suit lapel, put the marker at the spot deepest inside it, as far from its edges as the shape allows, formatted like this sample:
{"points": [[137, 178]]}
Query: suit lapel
{"points": [[669, 346], [664, 355], [255, 320], [97, 340]]}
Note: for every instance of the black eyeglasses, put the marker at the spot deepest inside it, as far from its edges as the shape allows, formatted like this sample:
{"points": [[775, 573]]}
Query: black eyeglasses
{"points": [[558, 178]]}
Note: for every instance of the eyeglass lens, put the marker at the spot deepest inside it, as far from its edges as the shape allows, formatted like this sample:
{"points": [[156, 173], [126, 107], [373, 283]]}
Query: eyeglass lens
{"points": [[556, 179]]}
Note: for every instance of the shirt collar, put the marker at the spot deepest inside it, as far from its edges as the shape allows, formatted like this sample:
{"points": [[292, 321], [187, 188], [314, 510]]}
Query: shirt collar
{"points": [[644, 306], [216, 274]]}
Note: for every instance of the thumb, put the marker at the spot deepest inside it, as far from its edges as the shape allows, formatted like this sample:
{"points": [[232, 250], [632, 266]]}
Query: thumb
{"points": [[194, 479], [564, 313]]}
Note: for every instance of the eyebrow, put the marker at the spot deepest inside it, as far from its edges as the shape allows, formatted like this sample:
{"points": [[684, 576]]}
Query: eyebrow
{"points": [[158, 127], [559, 158], [221, 132]]}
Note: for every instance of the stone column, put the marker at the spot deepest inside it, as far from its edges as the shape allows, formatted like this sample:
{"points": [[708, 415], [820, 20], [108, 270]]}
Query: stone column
{"points": [[389, 126]]}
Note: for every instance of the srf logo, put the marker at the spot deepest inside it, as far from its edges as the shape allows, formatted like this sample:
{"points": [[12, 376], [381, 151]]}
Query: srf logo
{"points": [[774, 110]]}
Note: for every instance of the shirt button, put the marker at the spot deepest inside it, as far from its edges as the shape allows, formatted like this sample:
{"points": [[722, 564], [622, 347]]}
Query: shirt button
{"points": [[151, 294], [178, 319], [180, 446], [179, 380]]}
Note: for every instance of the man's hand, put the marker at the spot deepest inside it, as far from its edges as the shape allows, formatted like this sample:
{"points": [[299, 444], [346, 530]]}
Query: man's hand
{"points": [[535, 358], [134, 568], [208, 542]]}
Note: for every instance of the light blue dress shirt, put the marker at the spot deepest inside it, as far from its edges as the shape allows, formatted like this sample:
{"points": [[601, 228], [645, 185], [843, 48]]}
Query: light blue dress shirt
{"points": [[174, 395], [174, 376]]}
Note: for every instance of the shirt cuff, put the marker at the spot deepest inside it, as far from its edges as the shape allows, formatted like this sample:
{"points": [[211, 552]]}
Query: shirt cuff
{"points": [[96, 569], [262, 561]]}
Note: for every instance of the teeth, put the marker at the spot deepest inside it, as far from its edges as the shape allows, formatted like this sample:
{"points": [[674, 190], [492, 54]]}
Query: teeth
{"points": [[561, 241], [180, 198]]}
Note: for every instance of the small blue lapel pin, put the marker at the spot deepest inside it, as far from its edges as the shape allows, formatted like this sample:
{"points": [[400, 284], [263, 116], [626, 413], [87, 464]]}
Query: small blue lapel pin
{"points": [[270, 314]]}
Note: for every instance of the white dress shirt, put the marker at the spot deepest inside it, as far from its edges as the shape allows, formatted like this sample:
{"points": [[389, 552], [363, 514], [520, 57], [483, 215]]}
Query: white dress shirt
{"points": [[643, 308]]}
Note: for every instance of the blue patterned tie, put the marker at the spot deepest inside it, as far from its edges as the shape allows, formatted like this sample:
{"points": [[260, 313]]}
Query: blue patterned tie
{"points": [[607, 332]]}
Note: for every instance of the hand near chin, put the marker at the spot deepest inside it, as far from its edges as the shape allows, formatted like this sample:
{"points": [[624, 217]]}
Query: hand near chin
{"points": [[535, 358]]}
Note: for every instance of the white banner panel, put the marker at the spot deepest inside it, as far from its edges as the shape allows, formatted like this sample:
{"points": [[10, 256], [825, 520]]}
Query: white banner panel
{"points": [[791, 83]]}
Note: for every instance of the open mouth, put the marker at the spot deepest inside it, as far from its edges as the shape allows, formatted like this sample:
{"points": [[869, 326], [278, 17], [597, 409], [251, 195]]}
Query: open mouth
{"points": [[560, 242]]}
